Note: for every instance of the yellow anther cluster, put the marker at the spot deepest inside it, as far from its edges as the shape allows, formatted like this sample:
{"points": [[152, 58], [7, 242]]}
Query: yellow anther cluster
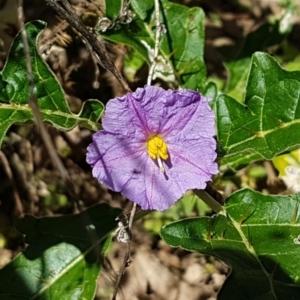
{"points": [[157, 148]]}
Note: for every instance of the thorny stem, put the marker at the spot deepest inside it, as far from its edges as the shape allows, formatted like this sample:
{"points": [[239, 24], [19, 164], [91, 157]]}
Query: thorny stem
{"points": [[125, 264], [132, 213], [157, 40], [66, 12], [126, 260]]}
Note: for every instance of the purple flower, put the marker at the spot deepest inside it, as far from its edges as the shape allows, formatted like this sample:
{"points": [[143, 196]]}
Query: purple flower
{"points": [[156, 145]]}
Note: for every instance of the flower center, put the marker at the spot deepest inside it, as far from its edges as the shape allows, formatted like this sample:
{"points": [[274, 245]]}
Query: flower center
{"points": [[157, 149]]}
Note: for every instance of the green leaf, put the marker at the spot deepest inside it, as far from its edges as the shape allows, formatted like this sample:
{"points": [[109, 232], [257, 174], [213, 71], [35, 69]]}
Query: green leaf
{"points": [[14, 91], [237, 76], [239, 161], [257, 236], [132, 64], [134, 35], [181, 48], [113, 8], [62, 260], [268, 122], [143, 8], [185, 40]]}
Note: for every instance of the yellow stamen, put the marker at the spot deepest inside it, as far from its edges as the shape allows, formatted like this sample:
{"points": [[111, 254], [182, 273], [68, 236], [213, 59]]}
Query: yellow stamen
{"points": [[157, 149], [162, 154], [158, 141], [151, 154]]}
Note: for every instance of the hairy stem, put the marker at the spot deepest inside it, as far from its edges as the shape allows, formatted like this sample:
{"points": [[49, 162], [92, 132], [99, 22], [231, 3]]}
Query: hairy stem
{"points": [[157, 40]]}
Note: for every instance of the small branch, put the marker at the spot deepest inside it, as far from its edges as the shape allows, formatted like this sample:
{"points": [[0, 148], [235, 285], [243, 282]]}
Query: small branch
{"points": [[18, 209], [33, 103], [157, 40], [125, 264], [132, 213], [126, 260], [66, 12], [209, 200]]}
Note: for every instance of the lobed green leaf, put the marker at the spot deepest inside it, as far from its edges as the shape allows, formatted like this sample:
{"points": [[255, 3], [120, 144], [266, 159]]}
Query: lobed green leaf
{"points": [[257, 236], [268, 122], [14, 91]]}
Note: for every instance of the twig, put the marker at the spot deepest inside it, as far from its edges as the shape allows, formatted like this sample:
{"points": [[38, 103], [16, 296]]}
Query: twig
{"points": [[132, 213], [18, 209], [33, 103], [157, 40], [126, 260], [125, 264], [66, 12], [45, 42]]}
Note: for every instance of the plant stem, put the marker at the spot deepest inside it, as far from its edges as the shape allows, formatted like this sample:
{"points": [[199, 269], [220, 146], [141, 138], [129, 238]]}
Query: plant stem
{"points": [[210, 201], [156, 46]]}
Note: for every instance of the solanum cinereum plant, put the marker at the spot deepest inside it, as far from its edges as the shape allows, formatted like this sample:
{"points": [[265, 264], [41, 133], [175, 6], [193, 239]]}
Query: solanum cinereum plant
{"points": [[155, 144]]}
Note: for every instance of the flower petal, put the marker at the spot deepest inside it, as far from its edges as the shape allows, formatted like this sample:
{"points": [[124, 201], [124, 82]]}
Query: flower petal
{"points": [[137, 113], [115, 159], [187, 116], [154, 192], [196, 158]]}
